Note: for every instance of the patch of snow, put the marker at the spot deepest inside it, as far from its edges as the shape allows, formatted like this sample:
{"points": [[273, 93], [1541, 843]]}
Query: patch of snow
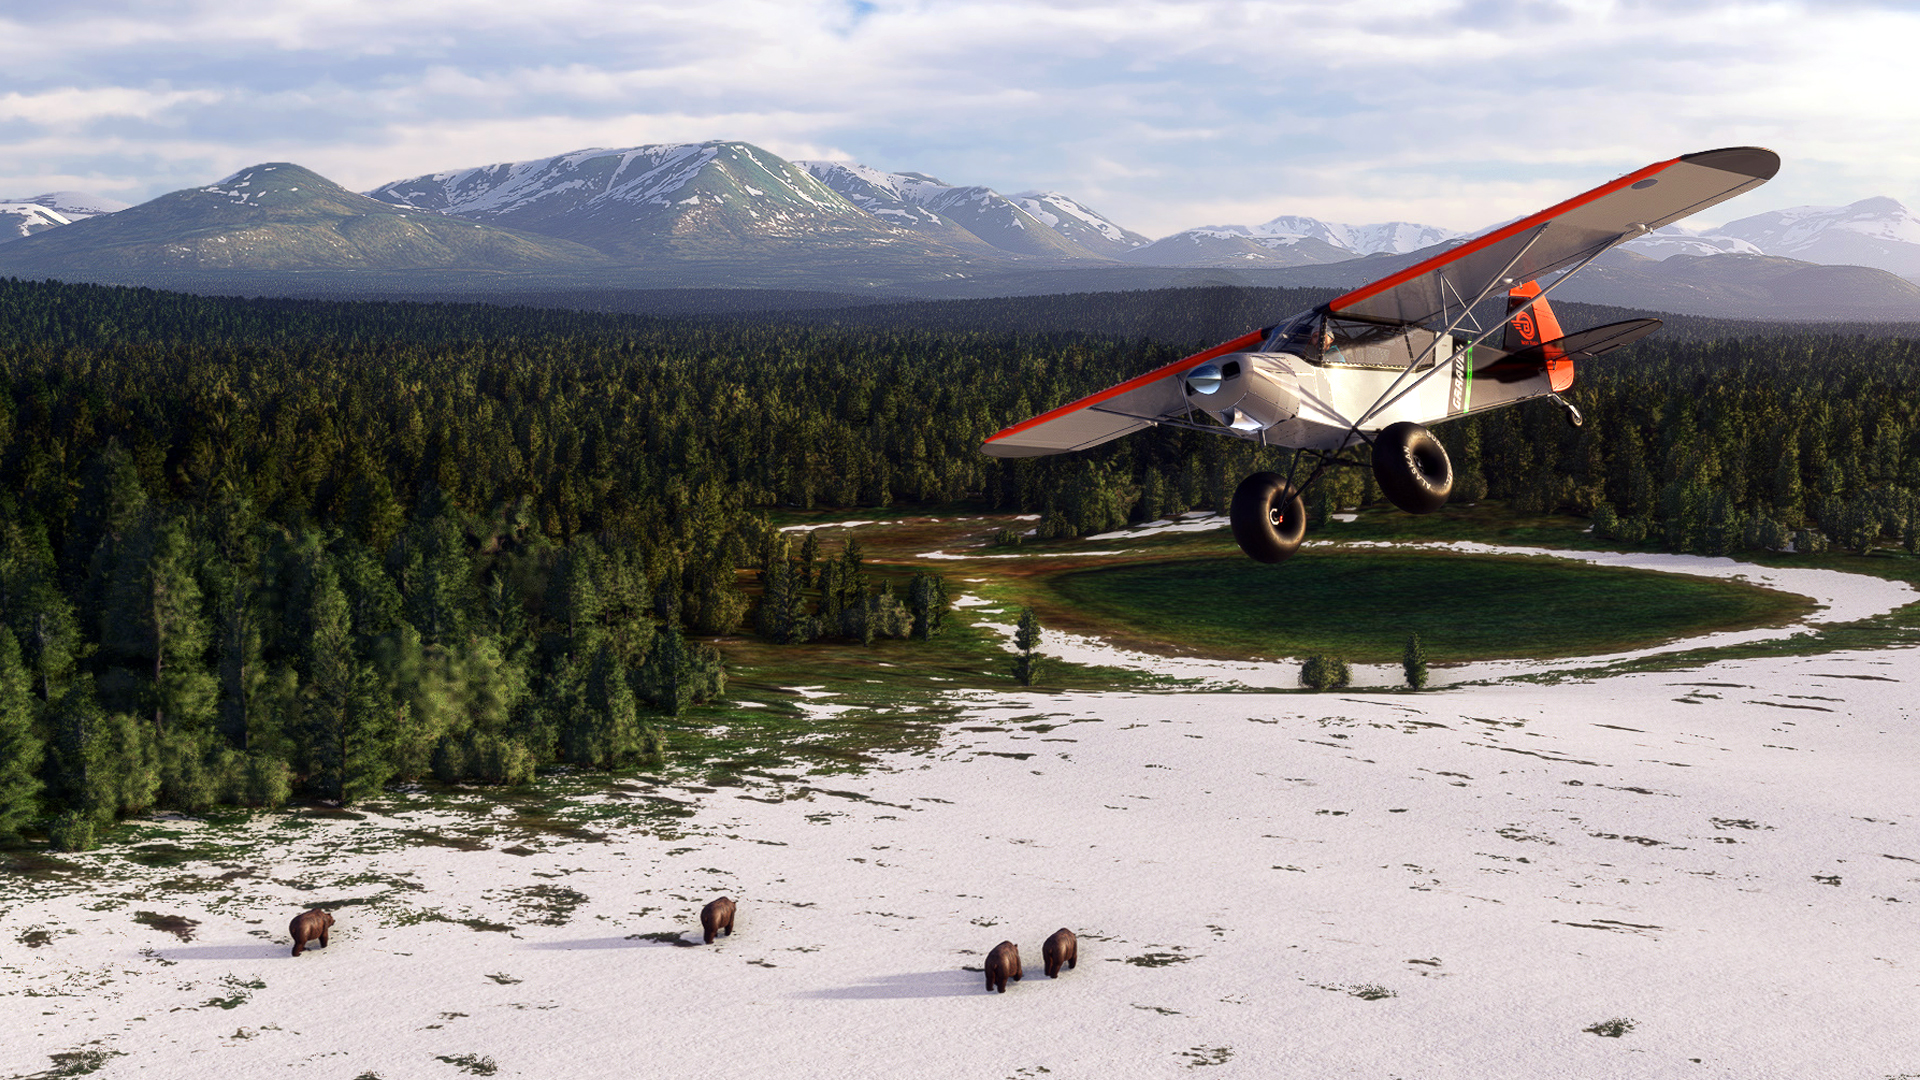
{"points": [[833, 525]]}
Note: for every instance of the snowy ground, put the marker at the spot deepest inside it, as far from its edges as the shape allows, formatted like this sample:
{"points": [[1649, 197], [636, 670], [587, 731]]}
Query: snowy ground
{"points": [[1452, 884]]}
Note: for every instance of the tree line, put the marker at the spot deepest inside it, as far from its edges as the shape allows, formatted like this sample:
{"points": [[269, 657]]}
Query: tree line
{"points": [[249, 547]]}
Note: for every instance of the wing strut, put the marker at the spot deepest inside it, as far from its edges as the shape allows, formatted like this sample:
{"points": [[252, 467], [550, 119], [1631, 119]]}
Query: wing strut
{"points": [[1386, 403], [1466, 313]]}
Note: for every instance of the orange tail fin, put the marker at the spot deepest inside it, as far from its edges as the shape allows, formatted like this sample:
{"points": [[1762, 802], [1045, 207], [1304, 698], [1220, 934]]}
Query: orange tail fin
{"points": [[1533, 326]]}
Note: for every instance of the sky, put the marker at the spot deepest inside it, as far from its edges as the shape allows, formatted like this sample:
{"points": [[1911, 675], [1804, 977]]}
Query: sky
{"points": [[1159, 114]]}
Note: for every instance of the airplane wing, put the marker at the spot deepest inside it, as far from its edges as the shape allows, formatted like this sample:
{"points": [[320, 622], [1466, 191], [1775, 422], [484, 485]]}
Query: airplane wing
{"points": [[1112, 412], [1562, 235]]}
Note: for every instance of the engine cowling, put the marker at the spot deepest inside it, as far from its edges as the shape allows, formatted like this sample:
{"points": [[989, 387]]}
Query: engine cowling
{"points": [[1249, 392]]}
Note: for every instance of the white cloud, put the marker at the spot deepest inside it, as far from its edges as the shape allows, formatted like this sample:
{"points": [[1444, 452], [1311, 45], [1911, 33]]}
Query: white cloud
{"points": [[68, 106], [1163, 115]]}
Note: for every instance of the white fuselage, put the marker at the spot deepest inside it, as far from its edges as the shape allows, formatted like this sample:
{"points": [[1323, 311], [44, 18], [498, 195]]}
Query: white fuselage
{"points": [[1281, 399]]}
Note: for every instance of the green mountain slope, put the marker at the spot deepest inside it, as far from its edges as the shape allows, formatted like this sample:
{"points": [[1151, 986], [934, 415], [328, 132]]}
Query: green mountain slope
{"points": [[280, 216]]}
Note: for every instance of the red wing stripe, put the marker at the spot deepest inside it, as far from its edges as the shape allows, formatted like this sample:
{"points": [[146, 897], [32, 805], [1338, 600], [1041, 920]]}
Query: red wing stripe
{"points": [[1245, 341], [1495, 237]]}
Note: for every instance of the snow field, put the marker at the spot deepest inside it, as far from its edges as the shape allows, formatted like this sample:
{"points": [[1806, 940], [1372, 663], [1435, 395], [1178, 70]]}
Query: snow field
{"points": [[1450, 884]]}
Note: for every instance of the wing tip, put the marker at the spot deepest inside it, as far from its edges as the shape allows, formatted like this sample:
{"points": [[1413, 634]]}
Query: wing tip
{"points": [[1756, 162]]}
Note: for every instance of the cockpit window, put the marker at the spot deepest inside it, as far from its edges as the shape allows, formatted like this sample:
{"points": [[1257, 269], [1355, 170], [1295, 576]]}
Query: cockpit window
{"points": [[1302, 336], [1323, 339]]}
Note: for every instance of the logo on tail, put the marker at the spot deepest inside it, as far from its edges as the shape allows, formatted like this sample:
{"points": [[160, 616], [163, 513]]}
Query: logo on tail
{"points": [[1534, 326]]}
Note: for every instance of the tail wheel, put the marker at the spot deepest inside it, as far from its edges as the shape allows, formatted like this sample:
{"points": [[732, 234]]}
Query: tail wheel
{"points": [[1412, 468], [1269, 520]]}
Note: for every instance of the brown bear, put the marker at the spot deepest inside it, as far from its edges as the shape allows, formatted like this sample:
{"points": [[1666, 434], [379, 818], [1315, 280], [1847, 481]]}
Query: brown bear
{"points": [[1003, 963], [1061, 948], [717, 918], [309, 926]]}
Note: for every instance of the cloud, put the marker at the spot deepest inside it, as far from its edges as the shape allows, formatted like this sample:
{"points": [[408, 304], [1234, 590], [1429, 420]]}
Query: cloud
{"points": [[1164, 115]]}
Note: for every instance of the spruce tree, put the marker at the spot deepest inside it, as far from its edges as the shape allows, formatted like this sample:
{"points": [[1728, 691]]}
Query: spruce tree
{"points": [[604, 729], [154, 630], [670, 676], [436, 571], [21, 752], [103, 764], [1413, 661], [774, 619], [810, 558], [346, 723], [1026, 638], [32, 603], [927, 601]]}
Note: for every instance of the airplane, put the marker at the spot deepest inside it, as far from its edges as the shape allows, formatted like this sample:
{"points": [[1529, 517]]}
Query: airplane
{"points": [[1381, 363]]}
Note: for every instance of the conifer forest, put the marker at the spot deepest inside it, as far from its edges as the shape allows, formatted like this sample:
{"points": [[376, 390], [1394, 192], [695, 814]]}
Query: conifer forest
{"points": [[254, 548]]}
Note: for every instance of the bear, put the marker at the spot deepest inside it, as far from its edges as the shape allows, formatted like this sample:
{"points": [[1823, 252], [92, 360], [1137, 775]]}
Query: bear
{"points": [[717, 918], [1003, 963], [1061, 948], [309, 926]]}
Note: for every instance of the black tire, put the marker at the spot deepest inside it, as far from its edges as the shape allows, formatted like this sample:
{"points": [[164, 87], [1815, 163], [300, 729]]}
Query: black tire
{"points": [[1412, 468], [1269, 520]]}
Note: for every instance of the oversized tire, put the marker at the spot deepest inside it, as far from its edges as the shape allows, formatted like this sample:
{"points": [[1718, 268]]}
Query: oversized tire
{"points": [[1412, 468], [1269, 520]]}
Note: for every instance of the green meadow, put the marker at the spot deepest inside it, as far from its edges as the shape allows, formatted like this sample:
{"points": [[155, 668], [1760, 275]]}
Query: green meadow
{"points": [[1363, 605]]}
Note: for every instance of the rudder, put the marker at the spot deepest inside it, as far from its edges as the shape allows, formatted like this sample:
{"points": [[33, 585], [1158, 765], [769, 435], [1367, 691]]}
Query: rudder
{"points": [[1533, 326]]}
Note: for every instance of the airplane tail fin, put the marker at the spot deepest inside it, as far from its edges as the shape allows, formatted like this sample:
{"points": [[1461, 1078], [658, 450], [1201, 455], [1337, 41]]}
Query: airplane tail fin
{"points": [[1535, 325]]}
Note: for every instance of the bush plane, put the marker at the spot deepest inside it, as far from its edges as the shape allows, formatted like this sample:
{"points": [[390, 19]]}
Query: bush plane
{"points": [[1378, 365]]}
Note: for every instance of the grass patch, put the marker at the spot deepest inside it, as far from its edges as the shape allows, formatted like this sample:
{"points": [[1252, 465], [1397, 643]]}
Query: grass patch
{"points": [[1611, 1029], [1156, 959], [470, 1063], [76, 1063], [1362, 605]]}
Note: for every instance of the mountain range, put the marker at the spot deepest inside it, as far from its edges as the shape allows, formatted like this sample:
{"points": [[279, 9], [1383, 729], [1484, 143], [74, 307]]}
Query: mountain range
{"points": [[731, 214]]}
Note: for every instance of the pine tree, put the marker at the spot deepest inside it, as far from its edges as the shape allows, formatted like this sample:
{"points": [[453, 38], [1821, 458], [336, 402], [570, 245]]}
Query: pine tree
{"points": [[33, 605], [669, 677], [581, 606], [436, 571], [347, 726], [1414, 662], [927, 601], [604, 729], [1026, 638], [21, 752], [810, 559], [103, 764], [775, 619]]}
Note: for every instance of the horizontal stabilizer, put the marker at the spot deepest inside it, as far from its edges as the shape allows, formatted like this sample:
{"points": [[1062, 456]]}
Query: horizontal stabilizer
{"points": [[1584, 345]]}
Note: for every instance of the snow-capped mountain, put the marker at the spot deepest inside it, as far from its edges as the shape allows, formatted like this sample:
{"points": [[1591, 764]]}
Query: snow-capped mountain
{"points": [[24, 217], [78, 205], [1075, 221], [892, 197], [1391, 238], [688, 198], [279, 216], [1289, 240], [979, 212], [18, 219], [1236, 246], [1877, 232], [1671, 240]]}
